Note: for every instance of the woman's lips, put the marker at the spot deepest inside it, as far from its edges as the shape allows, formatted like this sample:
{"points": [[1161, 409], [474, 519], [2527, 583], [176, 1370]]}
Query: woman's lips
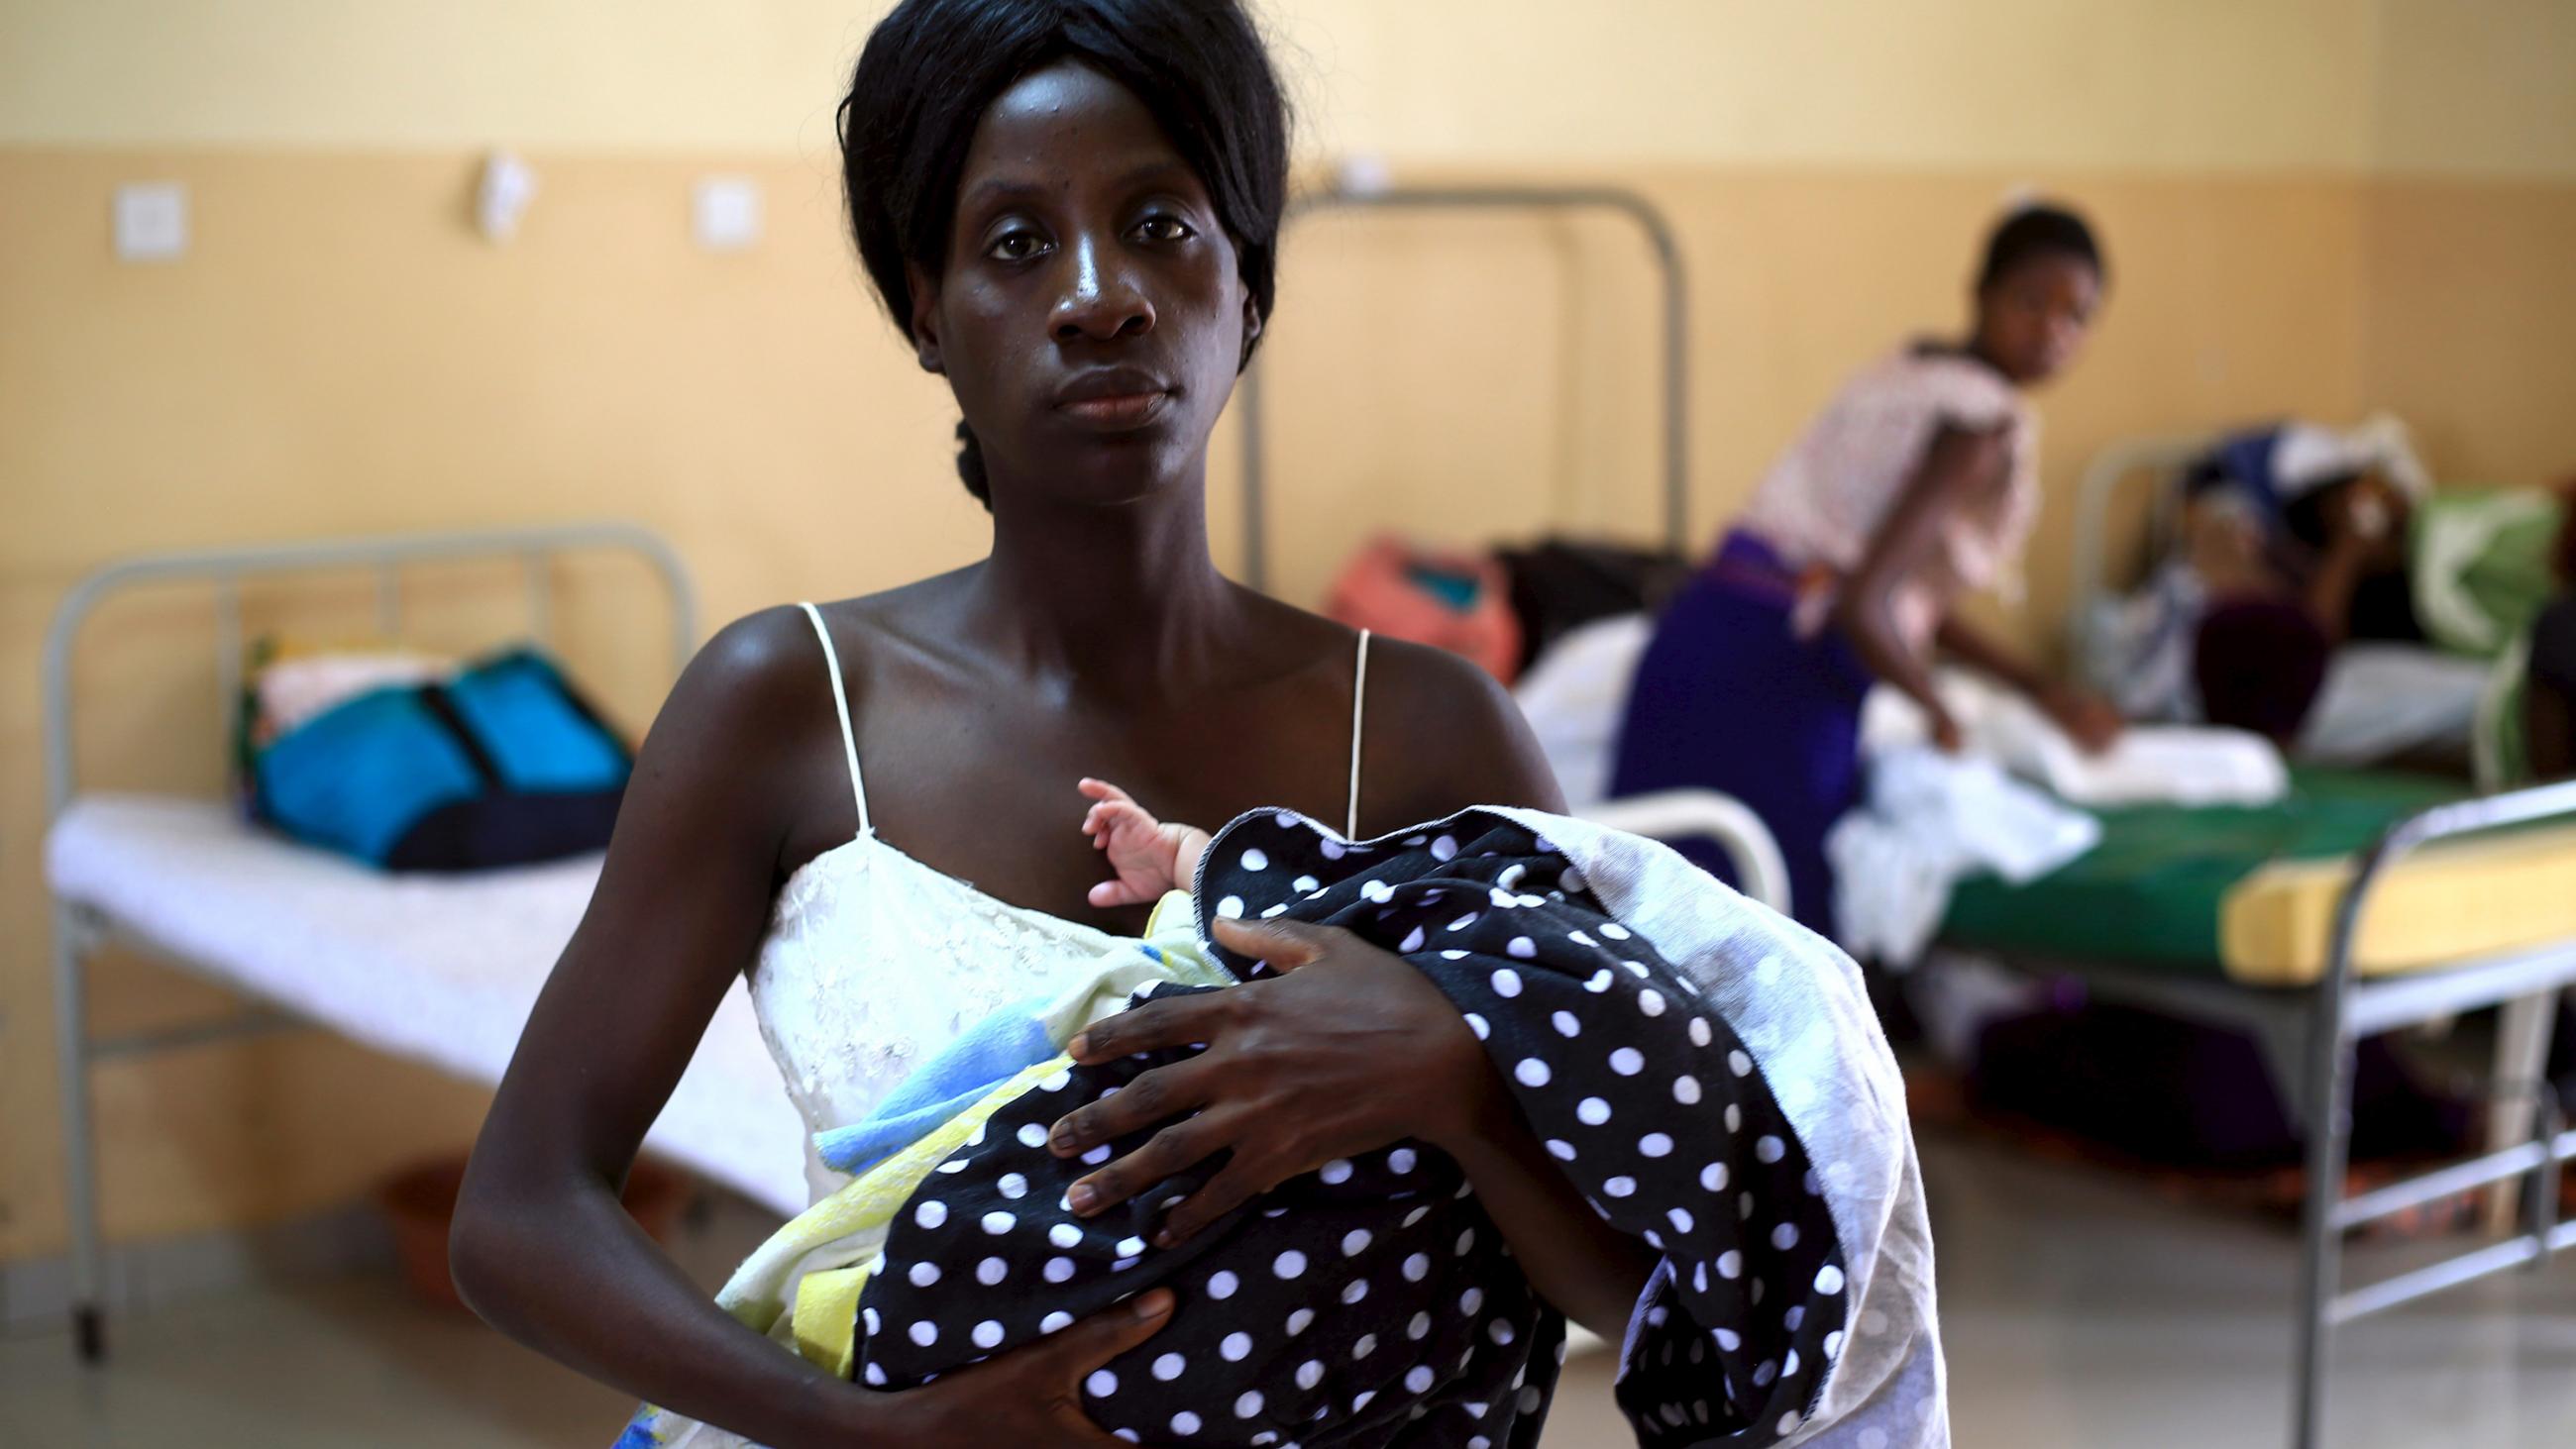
{"points": [[1122, 412]]}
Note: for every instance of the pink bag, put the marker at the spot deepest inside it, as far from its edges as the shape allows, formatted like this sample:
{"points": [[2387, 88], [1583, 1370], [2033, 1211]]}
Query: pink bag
{"points": [[1460, 602]]}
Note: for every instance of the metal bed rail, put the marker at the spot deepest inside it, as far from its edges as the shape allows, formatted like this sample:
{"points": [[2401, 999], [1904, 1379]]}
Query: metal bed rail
{"points": [[78, 931], [1670, 815], [2327, 1215], [1672, 276]]}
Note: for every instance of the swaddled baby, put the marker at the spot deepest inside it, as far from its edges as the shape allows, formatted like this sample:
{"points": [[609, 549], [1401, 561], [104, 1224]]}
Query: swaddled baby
{"points": [[1371, 1301]]}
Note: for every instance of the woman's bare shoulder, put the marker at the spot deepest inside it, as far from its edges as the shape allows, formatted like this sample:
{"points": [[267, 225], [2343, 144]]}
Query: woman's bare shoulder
{"points": [[1443, 734]]}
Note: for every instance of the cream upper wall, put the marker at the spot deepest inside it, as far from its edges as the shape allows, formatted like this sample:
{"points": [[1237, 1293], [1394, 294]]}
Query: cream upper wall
{"points": [[2477, 88], [2159, 84]]}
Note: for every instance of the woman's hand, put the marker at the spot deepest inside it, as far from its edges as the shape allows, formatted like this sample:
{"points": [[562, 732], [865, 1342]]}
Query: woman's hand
{"points": [[2087, 718], [2364, 517], [1348, 1051], [1028, 1398]]}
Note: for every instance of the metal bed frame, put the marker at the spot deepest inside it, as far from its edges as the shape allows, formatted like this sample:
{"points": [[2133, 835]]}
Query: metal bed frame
{"points": [[2161, 460], [80, 931], [2308, 1034], [1610, 200]]}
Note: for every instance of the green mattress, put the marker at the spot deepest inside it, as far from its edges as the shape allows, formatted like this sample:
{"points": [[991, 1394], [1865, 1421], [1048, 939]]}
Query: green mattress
{"points": [[2249, 894]]}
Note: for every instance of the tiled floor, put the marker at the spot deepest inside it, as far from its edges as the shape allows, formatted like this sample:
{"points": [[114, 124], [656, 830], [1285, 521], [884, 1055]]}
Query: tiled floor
{"points": [[2079, 1310]]}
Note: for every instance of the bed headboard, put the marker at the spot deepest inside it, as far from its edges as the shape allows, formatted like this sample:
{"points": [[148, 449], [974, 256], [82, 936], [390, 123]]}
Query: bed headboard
{"points": [[223, 570], [1612, 200], [2157, 461]]}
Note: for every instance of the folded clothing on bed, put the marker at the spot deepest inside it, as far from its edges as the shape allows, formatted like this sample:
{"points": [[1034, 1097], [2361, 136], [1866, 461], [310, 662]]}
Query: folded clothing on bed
{"points": [[1371, 1301]]}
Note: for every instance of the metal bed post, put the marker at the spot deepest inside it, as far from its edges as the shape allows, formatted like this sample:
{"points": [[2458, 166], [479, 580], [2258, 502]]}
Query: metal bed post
{"points": [[2328, 1091], [1659, 234], [80, 1157], [76, 935]]}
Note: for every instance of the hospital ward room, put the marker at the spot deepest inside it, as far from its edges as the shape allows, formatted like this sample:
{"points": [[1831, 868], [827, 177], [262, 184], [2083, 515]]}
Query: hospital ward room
{"points": [[1362, 724]]}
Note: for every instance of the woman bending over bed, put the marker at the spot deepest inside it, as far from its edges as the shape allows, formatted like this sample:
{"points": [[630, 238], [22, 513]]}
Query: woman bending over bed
{"points": [[1072, 210], [1917, 484]]}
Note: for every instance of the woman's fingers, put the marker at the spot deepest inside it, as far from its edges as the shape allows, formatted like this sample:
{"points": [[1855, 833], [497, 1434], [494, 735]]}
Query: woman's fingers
{"points": [[1166, 1091], [1169, 1022], [1069, 1356], [1240, 1182], [1174, 1150], [1283, 946], [1096, 1340]]}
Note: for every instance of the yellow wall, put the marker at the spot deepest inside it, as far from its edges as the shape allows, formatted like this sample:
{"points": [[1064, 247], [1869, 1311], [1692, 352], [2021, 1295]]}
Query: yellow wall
{"points": [[2201, 84], [2483, 88], [2471, 309], [2469, 230], [341, 353]]}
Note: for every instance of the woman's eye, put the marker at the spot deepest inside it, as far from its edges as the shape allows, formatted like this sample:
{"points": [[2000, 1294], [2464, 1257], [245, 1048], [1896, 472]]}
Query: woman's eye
{"points": [[1163, 229], [1016, 246]]}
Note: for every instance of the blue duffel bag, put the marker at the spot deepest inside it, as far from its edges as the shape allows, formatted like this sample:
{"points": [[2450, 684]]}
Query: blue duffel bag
{"points": [[502, 765]]}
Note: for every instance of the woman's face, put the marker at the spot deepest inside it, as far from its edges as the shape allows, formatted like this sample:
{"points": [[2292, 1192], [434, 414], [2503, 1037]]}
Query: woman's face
{"points": [[1089, 315], [2032, 321]]}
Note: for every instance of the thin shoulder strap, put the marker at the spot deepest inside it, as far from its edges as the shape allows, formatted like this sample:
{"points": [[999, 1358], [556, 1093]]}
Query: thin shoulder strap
{"points": [[1359, 712], [841, 704]]}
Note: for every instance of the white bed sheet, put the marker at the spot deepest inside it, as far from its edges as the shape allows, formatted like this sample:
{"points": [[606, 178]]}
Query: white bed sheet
{"points": [[437, 969]]}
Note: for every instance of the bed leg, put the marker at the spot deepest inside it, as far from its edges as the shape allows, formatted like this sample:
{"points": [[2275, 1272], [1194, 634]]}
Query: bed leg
{"points": [[2329, 1093], [80, 1141], [89, 1333], [2521, 1057]]}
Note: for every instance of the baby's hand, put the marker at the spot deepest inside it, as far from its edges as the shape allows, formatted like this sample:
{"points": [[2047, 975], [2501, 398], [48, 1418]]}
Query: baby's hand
{"points": [[1149, 856]]}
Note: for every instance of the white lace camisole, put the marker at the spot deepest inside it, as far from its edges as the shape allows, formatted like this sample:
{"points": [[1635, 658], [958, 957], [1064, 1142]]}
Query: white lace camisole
{"points": [[874, 961]]}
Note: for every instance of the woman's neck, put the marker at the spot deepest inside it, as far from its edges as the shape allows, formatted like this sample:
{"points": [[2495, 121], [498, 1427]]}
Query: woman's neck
{"points": [[1120, 597], [1974, 349]]}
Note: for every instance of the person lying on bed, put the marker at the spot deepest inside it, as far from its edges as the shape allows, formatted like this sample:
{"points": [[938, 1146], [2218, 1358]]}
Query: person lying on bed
{"points": [[1071, 208], [2289, 573], [1915, 486], [1372, 1301]]}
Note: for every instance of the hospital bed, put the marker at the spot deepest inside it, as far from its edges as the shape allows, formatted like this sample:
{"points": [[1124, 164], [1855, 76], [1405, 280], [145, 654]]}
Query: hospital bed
{"points": [[2368, 905], [2364, 905], [436, 969]]}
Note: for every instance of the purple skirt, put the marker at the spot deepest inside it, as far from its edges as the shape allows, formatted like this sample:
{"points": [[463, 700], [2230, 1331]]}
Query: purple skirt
{"points": [[1729, 698]]}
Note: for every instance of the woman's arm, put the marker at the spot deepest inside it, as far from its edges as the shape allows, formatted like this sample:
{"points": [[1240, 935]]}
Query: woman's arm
{"points": [[1959, 465], [2086, 717], [542, 1248], [1592, 1272], [2365, 533]]}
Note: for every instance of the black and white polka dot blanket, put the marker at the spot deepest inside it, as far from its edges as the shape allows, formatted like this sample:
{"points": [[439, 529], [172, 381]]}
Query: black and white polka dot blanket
{"points": [[1707, 1074]]}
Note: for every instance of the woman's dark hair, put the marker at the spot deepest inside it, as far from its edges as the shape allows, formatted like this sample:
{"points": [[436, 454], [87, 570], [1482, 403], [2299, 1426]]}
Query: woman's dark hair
{"points": [[2035, 231], [932, 66]]}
